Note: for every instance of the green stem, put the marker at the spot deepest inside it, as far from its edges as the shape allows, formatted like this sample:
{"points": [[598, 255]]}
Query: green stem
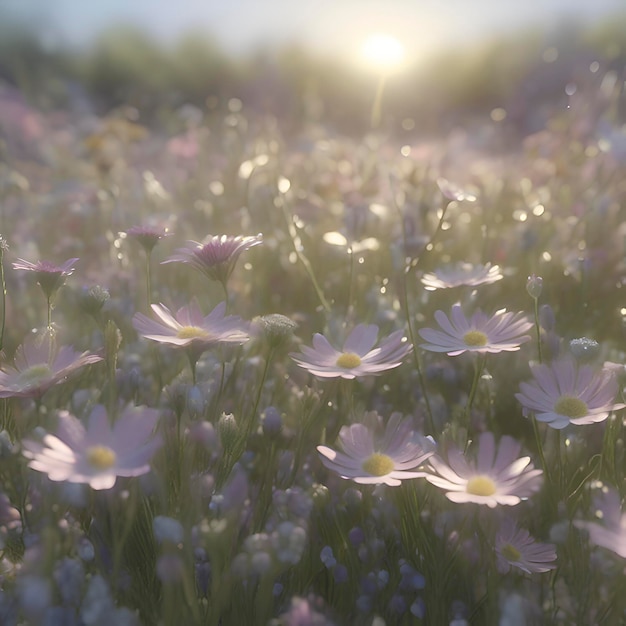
{"points": [[544, 465], [220, 390], [148, 280], [407, 314], [266, 490], [226, 296], [49, 302], [297, 246], [349, 307], [3, 295], [120, 538], [479, 365], [538, 330], [257, 401], [193, 361]]}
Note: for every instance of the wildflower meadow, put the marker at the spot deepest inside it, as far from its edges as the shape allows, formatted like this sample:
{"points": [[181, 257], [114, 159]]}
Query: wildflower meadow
{"points": [[259, 376]]}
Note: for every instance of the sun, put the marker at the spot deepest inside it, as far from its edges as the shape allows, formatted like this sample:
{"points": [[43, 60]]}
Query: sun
{"points": [[382, 52]]}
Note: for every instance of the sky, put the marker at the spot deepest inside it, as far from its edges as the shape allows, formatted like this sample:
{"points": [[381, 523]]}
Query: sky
{"points": [[333, 26]]}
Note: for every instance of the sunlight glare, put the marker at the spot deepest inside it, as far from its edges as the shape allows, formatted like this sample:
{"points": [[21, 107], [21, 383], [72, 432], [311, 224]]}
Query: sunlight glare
{"points": [[382, 52]]}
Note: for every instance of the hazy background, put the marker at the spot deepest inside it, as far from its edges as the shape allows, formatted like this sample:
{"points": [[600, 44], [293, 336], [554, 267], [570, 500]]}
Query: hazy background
{"points": [[328, 26], [303, 60]]}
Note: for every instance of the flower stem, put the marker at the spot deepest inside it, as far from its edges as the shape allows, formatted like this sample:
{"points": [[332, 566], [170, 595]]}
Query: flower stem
{"points": [[257, 401], [479, 365], [193, 360], [407, 314], [148, 280], [297, 246], [49, 303], [538, 329], [544, 465], [3, 295]]}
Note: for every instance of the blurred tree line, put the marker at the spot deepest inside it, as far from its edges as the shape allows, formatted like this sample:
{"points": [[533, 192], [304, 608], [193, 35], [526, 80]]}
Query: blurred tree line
{"points": [[125, 66]]}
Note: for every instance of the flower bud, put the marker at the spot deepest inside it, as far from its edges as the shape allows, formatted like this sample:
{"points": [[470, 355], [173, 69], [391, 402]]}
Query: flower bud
{"points": [[534, 286], [319, 494], [272, 422], [6, 445], [228, 430], [584, 349], [93, 299], [276, 329], [167, 529], [195, 402]]}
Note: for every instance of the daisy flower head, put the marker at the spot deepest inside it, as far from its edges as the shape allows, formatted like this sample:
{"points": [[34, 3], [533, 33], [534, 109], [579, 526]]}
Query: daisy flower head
{"points": [[38, 365], [370, 460], [461, 274], [189, 328], [610, 531], [516, 548], [502, 332], [498, 475], [216, 256], [147, 236], [357, 357], [567, 392], [50, 277], [98, 454]]}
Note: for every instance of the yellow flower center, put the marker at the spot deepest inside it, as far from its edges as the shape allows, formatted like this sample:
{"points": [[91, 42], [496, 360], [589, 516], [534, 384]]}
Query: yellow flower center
{"points": [[34, 374], [475, 338], [378, 464], [481, 486], [192, 332], [510, 553], [101, 457], [348, 360], [570, 407]]}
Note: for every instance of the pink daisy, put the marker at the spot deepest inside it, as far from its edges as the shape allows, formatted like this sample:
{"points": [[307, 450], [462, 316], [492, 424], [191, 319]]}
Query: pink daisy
{"points": [[565, 392], [39, 365], [368, 460], [516, 548], [99, 454], [147, 236], [190, 328], [358, 357], [461, 274], [216, 256], [502, 332], [49, 276], [495, 477]]}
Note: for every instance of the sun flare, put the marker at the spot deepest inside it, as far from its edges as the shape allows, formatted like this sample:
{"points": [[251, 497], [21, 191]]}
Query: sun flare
{"points": [[382, 52]]}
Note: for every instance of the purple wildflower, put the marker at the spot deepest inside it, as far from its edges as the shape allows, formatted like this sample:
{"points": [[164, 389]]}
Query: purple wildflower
{"points": [[358, 357], [462, 274], [216, 256], [566, 392], [39, 365], [370, 461], [190, 328], [147, 236], [502, 332], [49, 276], [494, 478], [99, 454], [516, 548]]}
